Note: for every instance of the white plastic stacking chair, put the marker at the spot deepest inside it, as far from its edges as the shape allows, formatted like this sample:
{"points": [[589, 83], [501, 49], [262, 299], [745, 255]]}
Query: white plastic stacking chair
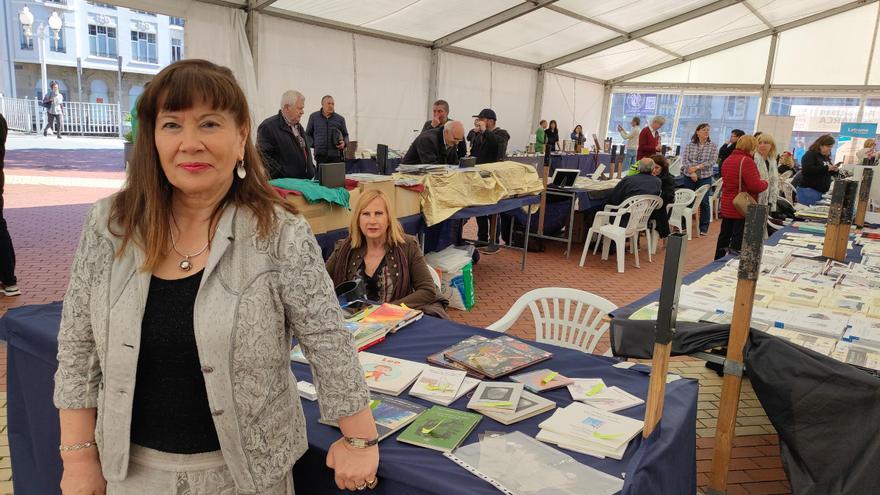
{"points": [[639, 209], [569, 318], [680, 210], [695, 208], [715, 201], [787, 191], [786, 175], [435, 277]]}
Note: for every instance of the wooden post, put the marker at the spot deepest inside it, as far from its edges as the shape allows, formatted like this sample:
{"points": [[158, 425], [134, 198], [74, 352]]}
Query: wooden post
{"points": [[543, 210], [749, 269], [664, 330], [839, 219], [864, 196]]}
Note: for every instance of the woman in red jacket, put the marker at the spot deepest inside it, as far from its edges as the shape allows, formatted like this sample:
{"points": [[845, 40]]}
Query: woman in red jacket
{"points": [[732, 223]]}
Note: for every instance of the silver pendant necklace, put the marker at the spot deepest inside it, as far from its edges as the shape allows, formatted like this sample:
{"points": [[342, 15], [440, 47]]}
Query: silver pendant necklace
{"points": [[185, 264]]}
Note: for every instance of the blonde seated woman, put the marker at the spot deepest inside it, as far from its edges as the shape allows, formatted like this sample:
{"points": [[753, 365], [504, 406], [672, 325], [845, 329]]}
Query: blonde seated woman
{"points": [[389, 262]]}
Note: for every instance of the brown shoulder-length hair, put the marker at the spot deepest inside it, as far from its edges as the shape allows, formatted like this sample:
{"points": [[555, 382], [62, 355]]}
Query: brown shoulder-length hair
{"points": [[660, 160], [394, 236], [695, 139], [142, 209], [824, 140]]}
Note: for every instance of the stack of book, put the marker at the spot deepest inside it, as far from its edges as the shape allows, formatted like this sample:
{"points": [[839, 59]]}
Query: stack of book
{"points": [[442, 386], [594, 392], [586, 429], [389, 375], [528, 405], [489, 358], [390, 413], [390, 315]]}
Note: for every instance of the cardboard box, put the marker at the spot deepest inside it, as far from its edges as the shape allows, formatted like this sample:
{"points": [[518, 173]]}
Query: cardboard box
{"points": [[386, 186], [407, 202], [323, 216]]}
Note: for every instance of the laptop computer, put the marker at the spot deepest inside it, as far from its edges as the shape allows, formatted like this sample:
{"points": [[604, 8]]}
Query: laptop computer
{"points": [[468, 162], [331, 174], [564, 177]]}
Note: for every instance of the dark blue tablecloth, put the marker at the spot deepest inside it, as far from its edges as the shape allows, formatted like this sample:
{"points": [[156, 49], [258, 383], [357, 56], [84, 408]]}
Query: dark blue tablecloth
{"points": [[369, 166], [665, 464]]}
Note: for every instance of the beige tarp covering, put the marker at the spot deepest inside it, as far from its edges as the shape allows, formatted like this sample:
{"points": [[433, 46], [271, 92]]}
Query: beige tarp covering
{"points": [[447, 193]]}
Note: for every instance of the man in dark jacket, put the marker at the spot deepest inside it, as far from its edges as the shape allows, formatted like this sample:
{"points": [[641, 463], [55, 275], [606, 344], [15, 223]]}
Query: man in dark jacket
{"points": [[7, 253], [728, 147], [436, 145], [634, 185], [489, 146], [282, 141], [440, 111], [327, 132]]}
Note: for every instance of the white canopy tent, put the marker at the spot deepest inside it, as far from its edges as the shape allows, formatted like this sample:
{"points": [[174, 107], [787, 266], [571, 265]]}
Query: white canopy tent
{"points": [[385, 61]]}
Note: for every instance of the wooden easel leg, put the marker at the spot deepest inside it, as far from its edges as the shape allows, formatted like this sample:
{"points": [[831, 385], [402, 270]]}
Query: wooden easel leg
{"points": [[749, 269]]}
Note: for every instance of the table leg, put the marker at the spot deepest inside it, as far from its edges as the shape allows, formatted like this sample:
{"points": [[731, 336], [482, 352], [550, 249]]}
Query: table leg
{"points": [[493, 228], [526, 238], [570, 226]]}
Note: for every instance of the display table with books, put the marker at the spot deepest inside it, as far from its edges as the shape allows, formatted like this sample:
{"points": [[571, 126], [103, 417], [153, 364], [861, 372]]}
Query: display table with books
{"points": [[665, 463], [667, 459]]}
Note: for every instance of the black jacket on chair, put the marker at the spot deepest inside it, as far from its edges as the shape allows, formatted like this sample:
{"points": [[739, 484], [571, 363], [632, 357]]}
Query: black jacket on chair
{"points": [[281, 151]]}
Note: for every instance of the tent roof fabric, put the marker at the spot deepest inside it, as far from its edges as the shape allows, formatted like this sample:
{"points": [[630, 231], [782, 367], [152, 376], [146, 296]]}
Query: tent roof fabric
{"points": [[609, 40]]}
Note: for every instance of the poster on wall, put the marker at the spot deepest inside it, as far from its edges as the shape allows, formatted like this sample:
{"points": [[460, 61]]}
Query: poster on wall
{"points": [[852, 138], [640, 104]]}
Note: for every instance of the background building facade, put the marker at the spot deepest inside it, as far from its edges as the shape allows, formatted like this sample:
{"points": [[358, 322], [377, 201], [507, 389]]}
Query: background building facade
{"points": [[94, 35]]}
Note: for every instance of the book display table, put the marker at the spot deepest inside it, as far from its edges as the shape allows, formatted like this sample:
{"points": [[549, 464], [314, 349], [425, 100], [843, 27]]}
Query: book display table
{"points": [[665, 463]]}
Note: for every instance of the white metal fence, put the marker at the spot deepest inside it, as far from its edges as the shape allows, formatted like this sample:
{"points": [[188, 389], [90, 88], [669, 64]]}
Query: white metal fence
{"points": [[93, 119]]}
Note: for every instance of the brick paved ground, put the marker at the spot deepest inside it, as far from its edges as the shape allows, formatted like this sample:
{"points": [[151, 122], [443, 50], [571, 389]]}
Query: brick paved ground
{"points": [[45, 221]]}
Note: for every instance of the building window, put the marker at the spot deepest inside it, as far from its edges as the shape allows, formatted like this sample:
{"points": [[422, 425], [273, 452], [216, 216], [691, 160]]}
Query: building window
{"points": [[144, 12], [103, 5], [59, 2], [176, 21], [143, 47], [102, 41], [57, 45], [26, 43], [176, 49]]}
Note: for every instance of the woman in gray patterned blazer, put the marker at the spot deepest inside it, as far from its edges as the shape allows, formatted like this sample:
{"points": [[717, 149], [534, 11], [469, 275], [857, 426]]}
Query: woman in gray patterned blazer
{"points": [[187, 287]]}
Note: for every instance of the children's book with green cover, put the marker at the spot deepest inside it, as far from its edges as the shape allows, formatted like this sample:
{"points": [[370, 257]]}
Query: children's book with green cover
{"points": [[440, 428]]}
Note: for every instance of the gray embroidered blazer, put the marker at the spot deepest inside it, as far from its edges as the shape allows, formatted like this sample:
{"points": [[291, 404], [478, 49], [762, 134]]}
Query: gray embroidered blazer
{"points": [[254, 296]]}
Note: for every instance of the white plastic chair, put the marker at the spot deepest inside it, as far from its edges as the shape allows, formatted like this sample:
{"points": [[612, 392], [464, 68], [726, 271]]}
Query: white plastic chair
{"points": [[787, 191], [435, 277], [695, 208], [680, 210], [715, 201], [569, 318], [786, 175], [607, 225]]}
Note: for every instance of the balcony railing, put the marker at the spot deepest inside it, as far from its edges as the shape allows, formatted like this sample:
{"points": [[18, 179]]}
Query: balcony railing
{"points": [[87, 119]]}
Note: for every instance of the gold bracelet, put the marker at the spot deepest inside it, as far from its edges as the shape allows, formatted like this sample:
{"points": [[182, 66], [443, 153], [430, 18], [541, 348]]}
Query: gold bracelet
{"points": [[76, 446]]}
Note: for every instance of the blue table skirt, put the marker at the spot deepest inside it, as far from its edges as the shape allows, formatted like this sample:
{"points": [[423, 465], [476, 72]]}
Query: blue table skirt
{"points": [[369, 166], [665, 463]]}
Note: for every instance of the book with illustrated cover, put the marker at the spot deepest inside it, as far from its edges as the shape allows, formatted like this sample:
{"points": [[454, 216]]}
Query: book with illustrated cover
{"points": [[440, 428], [589, 425], [438, 359], [387, 374], [541, 380], [846, 302], [822, 345], [438, 385], [366, 335], [393, 316], [390, 413], [297, 356], [817, 322], [498, 357], [496, 395], [529, 405]]}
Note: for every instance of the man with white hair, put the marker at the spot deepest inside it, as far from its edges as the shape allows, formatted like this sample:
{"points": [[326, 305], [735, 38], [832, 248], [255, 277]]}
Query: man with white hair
{"points": [[649, 138], [282, 143], [437, 145], [642, 183]]}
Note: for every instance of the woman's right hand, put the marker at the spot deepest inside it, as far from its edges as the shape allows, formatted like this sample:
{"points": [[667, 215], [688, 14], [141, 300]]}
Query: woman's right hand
{"points": [[83, 477]]}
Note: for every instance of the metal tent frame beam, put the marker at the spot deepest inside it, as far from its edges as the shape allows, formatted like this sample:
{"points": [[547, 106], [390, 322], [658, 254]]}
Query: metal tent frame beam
{"points": [[640, 33], [745, 39], [491, 22]]}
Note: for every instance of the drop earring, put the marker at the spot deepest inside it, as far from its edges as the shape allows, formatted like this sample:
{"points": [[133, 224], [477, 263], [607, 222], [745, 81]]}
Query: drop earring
{"points": [[239, 169]]}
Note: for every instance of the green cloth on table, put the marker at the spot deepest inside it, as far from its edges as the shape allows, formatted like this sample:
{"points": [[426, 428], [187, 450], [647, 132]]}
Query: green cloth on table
{"points": [[313, 191]]}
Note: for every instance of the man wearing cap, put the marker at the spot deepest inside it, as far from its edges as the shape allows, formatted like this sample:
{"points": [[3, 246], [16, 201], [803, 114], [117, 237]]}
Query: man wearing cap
{"points": [[440, 112], [436, 145], [489, 145]]}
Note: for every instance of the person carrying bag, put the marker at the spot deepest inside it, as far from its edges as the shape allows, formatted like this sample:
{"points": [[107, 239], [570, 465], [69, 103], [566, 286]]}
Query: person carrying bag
{"points": [[740, 189]]}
